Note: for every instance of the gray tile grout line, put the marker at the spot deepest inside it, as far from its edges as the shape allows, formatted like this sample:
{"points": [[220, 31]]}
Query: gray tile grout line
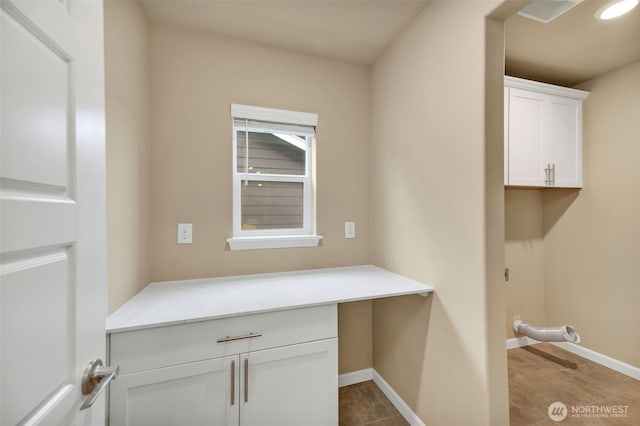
{"points": [[385, 418], [371, 384]]}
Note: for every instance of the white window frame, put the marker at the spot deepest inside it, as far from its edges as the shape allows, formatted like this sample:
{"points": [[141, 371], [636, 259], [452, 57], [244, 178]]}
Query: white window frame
{"points": [[273, 238]]}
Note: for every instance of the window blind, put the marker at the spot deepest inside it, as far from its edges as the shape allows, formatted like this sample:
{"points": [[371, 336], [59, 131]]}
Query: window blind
{"points": [[270, 127]]}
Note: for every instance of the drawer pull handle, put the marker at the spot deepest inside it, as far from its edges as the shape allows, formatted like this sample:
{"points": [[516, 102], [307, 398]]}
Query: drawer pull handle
{"points": [[233, 382], [232, 338]]}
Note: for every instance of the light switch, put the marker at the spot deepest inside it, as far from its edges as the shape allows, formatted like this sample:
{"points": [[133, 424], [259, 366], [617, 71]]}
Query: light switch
{"points": [[185, 233], [349, 229]]}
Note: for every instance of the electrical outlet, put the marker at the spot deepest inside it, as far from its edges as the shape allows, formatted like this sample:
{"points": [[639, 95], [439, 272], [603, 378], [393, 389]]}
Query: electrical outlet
{"points": [[349, 229], [185, 233]]}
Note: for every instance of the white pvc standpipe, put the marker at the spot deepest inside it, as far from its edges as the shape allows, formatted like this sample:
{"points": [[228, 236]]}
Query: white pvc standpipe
{"points": [[566, 333]]}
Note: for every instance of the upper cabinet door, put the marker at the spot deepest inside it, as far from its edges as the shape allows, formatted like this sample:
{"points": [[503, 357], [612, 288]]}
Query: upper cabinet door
{"points": [[563, 141], [525, 137]]}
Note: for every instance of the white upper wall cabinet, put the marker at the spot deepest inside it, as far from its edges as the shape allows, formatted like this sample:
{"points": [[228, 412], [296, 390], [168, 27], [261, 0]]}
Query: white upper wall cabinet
{"points": [[542, 134]]}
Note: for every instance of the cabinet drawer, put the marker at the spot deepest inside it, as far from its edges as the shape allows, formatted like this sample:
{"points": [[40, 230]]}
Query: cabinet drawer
{"points": [[147, 349]]}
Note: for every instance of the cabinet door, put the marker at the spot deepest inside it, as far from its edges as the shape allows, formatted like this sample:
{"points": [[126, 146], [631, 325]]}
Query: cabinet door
{"points": [[291, 385], [198, 393], [563, 136], [506, 136], [525, 138]]}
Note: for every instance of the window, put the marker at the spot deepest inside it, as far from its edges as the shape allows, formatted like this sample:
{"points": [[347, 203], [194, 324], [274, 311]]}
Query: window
{"points": [[272, 178]]}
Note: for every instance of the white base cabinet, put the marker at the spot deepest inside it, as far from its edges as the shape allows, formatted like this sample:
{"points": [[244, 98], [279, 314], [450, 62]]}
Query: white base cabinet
{"points": [[543, 134], [290, 386], [197, 393], [273, 369]]}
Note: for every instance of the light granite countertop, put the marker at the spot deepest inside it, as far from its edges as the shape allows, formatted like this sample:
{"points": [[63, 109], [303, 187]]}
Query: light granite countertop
{"points": [[176, 302]]}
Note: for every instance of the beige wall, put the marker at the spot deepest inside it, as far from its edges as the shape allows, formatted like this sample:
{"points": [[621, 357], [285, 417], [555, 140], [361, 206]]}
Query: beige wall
{"points": [[128, 149], [195, 77], [592, 240], [437, 175], [524, 256], [433, 170], [355, 340]]}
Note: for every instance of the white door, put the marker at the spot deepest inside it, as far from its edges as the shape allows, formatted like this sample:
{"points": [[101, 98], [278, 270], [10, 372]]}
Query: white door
{"points": [[52, 206], [525, 138], [290, 386], [563, 140], [196, 393]]}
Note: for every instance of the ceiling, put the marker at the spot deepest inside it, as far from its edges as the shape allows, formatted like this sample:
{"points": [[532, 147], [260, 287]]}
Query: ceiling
{"points": [[572, 48], [353, 30]]}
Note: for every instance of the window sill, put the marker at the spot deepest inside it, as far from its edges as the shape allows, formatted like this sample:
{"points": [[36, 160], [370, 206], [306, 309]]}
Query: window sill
{"points": [[253, 243]]}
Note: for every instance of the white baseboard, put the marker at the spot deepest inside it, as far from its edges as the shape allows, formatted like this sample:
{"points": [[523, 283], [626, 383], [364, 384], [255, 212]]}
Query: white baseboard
{"points": [[406, 411], [518, 342], [598, 358], [371, 374], [355, 377], [591, 355]]}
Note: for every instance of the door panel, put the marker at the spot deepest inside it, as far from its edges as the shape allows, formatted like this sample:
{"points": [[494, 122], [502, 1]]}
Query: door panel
{"points": [[27, 218], [35, 102], [44, 329], [526, 138], [562, 145], [197, 393], [506, 135], [291, 386], [52, 250]]}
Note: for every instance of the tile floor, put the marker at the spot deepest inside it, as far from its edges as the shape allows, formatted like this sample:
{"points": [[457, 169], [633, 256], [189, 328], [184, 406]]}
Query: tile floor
{"points": [[365, 404]]}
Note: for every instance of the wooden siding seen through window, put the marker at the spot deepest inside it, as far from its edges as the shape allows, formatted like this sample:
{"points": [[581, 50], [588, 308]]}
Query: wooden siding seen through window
{"points": [[268, 154], [271, 204]]}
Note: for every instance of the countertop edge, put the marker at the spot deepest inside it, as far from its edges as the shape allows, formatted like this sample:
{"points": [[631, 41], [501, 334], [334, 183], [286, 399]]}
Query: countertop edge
{"points": [[117, 330], [422, 289]]}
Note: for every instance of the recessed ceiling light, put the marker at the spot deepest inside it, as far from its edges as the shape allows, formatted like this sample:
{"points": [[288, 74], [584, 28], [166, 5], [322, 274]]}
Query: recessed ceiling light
{"points": [[615, 9]]}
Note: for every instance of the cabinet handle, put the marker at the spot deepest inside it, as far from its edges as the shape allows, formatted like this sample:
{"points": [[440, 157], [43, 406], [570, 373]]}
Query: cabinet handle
{"points": [[246, 380], [553, 174], [233, 382], [547, 176], [232, 338]]}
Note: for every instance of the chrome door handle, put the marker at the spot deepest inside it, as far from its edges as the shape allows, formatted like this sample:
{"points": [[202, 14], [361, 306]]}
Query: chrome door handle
{"points": [[95, 379]]}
